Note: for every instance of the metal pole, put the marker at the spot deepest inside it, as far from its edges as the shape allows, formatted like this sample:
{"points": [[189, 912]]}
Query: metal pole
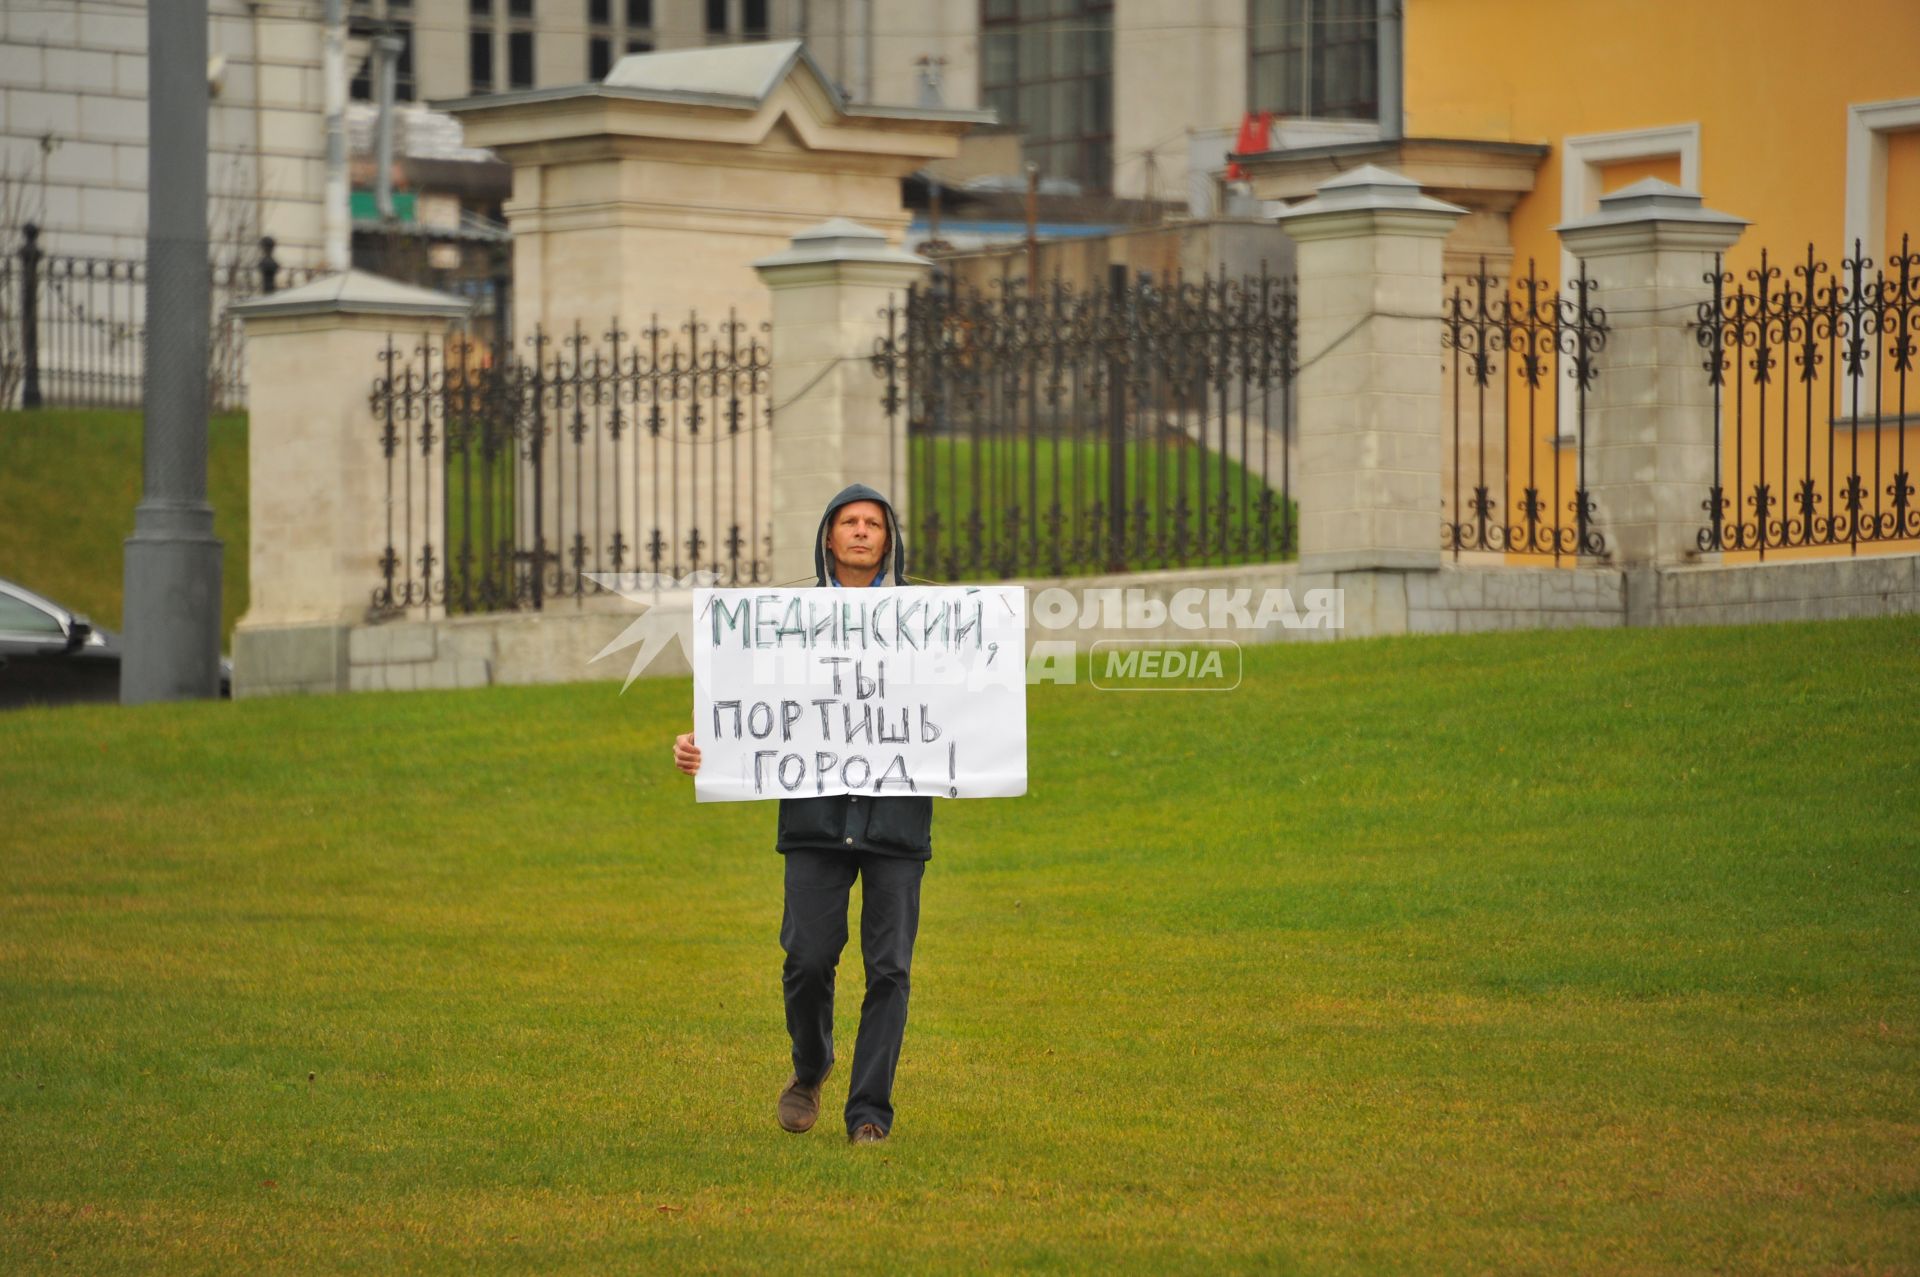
{"points": [[1117, 421], [333, 76], [173, 560], [30, 315], [1388, 38], [1033, 219], [386, 59]]}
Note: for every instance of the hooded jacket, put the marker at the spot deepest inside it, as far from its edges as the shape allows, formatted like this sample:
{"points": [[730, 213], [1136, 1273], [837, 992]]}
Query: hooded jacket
{"points": [[890, 825]]}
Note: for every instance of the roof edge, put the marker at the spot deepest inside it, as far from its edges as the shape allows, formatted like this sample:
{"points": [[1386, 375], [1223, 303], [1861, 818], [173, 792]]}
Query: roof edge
{"points": [[1340, 150]]}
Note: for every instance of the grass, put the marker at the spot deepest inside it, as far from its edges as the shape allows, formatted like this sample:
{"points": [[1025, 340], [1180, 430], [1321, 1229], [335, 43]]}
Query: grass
{"points": [[479, 501], [953, 474], [1563, 952], [69, 481]]}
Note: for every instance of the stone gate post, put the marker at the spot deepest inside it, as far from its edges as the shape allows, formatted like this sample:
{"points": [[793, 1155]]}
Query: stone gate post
{"points": [[320, 505], [830, 291], [1649, 251], [1370, 262]]}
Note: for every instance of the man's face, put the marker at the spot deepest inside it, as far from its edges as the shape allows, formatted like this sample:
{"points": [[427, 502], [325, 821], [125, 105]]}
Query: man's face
{"points": [[858, 534]]}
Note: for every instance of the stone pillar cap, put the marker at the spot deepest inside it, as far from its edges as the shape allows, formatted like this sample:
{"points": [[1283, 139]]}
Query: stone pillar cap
{"points": [[1368, 188], [840, 239], [1652, 200], [355, 292], [1651, 216]]}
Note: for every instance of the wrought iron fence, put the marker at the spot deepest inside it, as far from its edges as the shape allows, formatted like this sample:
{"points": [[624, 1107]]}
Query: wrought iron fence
{"points": [[1796, 359], [79, 325], [1520, 351], [511, 483], [1055, 431]]}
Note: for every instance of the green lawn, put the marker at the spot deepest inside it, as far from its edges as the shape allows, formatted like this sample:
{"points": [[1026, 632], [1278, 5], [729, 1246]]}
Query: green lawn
{"points": [[1547, 953], [480, 514], [69, 482], [953, 475]]}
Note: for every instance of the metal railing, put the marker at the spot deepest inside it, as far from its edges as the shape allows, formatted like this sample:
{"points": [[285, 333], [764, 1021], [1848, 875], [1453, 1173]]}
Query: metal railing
{"points": [[1055, 431], [78, 326], [511, 483], [1520, 353], [1799, 359]]}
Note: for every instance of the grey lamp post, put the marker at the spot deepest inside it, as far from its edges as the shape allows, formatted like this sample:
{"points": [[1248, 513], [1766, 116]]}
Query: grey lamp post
{"points": [[173, 560]]}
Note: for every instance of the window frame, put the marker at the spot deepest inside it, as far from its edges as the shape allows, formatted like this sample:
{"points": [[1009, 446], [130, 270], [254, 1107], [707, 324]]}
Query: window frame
{"points": [[474, 36], [516, 37], [1309, 46], [1035, 76], [621, 32], [62, 619]]}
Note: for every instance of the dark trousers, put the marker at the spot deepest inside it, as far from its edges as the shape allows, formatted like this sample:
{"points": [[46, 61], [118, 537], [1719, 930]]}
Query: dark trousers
{"points": [[813, 931]]}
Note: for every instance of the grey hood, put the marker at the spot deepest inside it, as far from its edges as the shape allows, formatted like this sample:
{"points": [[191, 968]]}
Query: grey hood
{"points": [[896, 544]]}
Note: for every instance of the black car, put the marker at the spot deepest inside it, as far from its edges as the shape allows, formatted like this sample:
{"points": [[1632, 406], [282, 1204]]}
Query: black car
{"points": [[49, 656]]}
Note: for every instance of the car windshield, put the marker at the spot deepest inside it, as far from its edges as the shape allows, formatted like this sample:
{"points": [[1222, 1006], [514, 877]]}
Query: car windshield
{"points": [[17, 616]]}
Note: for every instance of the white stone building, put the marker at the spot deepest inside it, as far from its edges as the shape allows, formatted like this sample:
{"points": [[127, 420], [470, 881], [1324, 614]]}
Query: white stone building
{"points": [[73, 125], [1122, 96], [1126, 97]]}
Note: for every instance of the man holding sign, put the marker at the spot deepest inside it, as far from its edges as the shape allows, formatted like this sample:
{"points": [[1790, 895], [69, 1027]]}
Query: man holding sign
{"points": [[855, 710]]}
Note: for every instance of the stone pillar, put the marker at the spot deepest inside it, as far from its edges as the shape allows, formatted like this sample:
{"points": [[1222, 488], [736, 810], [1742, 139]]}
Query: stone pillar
{"points": [[1369, 260], [318, 494], [830, 425], [1649, 450]]}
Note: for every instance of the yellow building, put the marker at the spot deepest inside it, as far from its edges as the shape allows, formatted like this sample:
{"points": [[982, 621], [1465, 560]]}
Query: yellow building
{"points": [[1802, 119]]}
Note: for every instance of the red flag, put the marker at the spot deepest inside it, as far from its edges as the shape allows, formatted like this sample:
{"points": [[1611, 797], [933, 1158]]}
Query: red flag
{"points": [[1254, 132]]}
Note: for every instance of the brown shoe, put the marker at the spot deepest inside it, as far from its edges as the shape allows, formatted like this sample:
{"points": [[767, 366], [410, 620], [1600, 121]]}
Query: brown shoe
{"points": [[800, 1105], [866, 1133]]}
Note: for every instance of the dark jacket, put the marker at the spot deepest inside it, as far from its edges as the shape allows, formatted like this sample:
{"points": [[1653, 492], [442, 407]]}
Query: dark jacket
{"points": [[895, 825]]}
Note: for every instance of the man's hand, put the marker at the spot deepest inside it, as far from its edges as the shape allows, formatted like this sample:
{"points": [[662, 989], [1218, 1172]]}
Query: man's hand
{"points": [[686, 754]]}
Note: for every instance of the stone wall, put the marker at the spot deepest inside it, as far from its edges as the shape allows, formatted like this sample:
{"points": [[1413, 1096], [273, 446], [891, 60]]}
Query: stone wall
{"points": [[561, 645], [1464, 601], [1816, 590], [509, 648]]}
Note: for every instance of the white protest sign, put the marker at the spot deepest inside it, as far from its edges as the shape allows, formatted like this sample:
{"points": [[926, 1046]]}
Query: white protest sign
{"points": [[885, 691]]}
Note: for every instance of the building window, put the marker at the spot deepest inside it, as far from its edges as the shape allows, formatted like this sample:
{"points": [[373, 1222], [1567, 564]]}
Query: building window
{"points": [[403, 66], [520, 60], [753, 19], [480, 8], [716, 17], [519, 8], [631, 32], [1047, 67], [480, 61], [1313, 58], [364, 26]]}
